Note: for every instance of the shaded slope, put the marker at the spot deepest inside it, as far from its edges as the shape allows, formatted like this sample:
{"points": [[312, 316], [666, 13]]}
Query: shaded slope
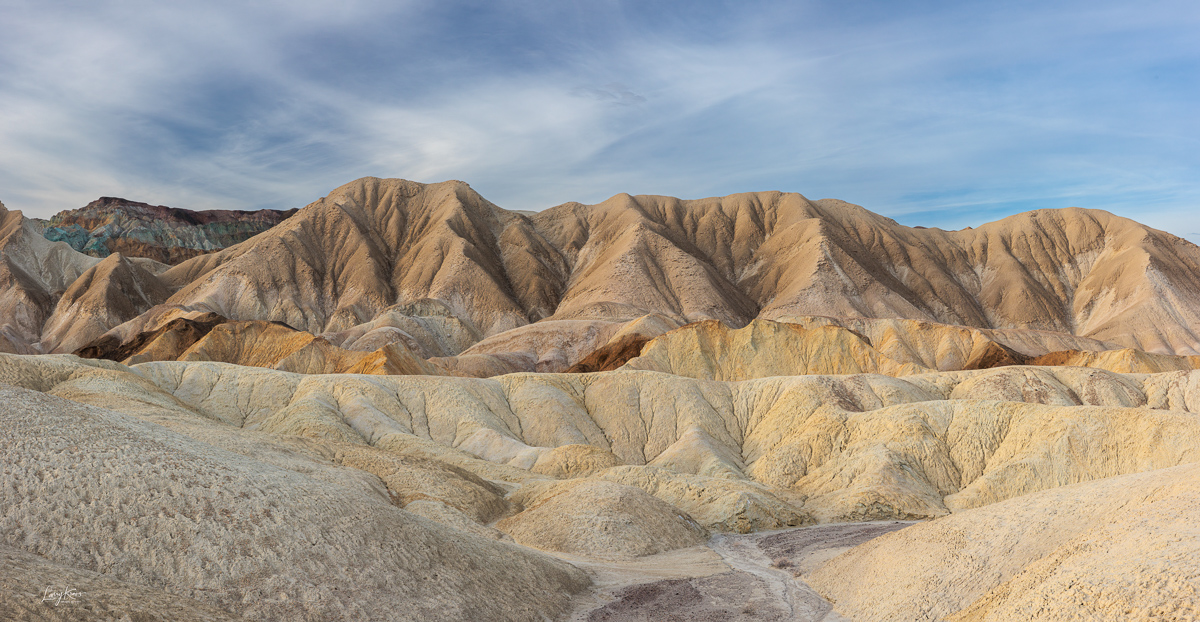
{"points": [[373, 243], [110, 293], [166, 343], [34, 273]]}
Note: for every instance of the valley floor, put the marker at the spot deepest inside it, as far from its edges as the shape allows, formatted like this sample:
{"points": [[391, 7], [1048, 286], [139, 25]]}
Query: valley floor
{"points": [[751, 577]]}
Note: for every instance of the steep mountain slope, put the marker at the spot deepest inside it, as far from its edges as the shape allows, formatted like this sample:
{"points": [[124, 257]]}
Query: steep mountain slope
{"points": [[770, 255], [110, 293], [373, 243], [165, 234], [348, 266], [34, 273]]}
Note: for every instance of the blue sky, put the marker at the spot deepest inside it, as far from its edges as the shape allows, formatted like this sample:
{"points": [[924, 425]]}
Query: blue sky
{"points": [[934, 113]]}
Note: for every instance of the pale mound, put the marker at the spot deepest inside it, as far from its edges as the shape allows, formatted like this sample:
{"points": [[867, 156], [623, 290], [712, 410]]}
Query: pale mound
{"points": [[427, 327], [486, 365], [1124, 548], [410, 479], [234, 533], [552, 345], [1124, 361], [599, 519], [763, 349], [738, 506], [856, 447], [567, 461]]}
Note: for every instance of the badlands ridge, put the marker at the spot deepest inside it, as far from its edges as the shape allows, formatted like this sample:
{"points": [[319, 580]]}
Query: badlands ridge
{"points": [[404, 402]]}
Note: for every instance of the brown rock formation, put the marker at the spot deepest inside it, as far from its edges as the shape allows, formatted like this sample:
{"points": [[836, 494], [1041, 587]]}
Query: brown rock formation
{"points": [[611, 355], [166, 343]]}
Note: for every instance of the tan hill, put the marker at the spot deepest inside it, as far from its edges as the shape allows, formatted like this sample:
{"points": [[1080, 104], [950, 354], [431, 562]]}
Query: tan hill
{"points": [[34, 273], [427, 327], [439, 268], [837, 448], [552, 346], [166, 343], [713, 351], [616, 465], [771, 255], [946, 347], [817, 345], [1124, 361], [165, 234], [374, 243], [1117, 549], [263, 344], [108, 294]]}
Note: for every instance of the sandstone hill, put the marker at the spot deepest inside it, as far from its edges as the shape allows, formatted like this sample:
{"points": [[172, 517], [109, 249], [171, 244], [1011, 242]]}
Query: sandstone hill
{"points": [[165, 234], [375, 242], [1124, 548], [271, 484], [378, 259]]}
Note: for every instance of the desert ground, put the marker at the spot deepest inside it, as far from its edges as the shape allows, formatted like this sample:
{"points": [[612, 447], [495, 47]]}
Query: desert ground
{"points": [[403, 402]]}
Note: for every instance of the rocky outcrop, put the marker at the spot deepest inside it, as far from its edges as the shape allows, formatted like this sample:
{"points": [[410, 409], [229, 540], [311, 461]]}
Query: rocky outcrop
{"points": [[168, 235], [166, 343]]}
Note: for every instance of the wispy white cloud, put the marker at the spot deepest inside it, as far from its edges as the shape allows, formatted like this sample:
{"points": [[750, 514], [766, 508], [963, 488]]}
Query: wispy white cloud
{"points": [[943, 114]]}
